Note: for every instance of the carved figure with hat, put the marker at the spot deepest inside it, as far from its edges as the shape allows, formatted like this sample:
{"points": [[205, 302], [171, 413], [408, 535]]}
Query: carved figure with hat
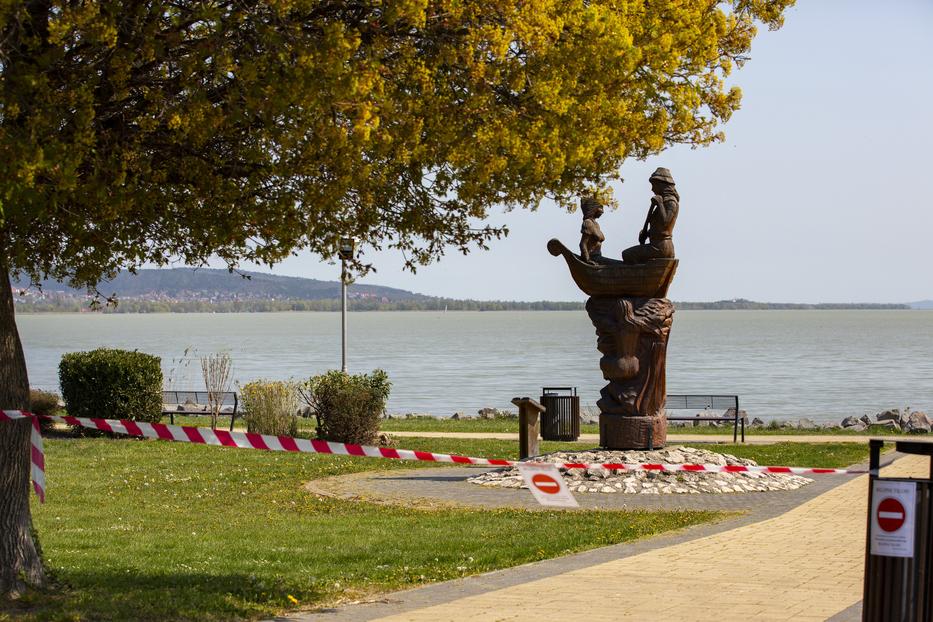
{"points": [[655, 239]]}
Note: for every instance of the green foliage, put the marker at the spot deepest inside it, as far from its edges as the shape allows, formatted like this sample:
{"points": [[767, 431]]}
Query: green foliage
{"points": [[115, 384], [143, 132], [348, 407], [270, 406], [44, 403]]}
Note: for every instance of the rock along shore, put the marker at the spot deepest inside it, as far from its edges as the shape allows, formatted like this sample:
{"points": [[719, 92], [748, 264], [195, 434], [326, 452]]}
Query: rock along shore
{"points": [[895, 419]]}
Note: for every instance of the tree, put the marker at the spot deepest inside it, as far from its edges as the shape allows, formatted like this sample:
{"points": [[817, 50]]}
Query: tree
{"points": [[138, 132]]}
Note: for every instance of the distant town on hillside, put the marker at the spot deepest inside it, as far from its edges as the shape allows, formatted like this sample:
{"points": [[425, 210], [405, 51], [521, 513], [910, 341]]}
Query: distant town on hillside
{"points": [[191, 290]]}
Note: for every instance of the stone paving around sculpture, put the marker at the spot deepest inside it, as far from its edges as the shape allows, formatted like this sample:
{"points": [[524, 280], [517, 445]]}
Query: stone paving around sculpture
{"points": [[794, 555], [599, 480]]}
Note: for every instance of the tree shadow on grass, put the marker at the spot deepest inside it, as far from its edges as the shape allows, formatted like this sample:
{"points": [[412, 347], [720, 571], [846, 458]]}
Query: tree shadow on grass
{"points": [[134, 596]]}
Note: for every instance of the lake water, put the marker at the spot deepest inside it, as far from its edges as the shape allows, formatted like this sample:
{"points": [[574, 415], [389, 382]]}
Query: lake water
{"points": [[783, 364]]}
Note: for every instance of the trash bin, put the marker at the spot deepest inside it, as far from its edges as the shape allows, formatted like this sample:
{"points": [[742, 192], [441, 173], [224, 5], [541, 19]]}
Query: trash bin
{"points": [[899, 549], [561, 419]]}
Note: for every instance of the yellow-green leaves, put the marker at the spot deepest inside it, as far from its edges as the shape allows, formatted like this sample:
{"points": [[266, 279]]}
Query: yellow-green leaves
{"points": [[141, 132]]}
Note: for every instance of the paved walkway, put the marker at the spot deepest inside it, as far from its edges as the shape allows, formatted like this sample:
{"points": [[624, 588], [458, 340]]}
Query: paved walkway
{"points": [[802, 564], [448, 485], [675, 437]]}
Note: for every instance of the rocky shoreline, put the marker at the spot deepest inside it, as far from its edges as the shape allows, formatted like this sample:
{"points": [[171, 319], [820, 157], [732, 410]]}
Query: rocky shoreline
{"points": [[895, 419], [599, 480]]}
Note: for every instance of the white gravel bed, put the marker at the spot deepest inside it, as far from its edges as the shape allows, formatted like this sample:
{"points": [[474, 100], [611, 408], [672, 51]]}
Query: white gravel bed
{"points": [[600, 480]]}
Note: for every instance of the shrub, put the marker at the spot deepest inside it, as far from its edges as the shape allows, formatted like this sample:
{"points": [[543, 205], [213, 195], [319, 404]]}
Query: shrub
{"points": [[115, 384], [216, 369], [270, 406], [348, 408], [44, 403]]}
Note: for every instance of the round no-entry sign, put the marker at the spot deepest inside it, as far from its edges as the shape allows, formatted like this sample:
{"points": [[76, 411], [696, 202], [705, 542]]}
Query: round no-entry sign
{"points": [[891, 514], [545, 483]]}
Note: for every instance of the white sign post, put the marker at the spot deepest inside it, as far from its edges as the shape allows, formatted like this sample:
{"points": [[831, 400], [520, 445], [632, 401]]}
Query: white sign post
{"points": [[893, 509], [546, 484]]}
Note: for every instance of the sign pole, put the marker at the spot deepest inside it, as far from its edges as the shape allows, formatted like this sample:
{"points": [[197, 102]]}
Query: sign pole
{"points": [[345, 251], [898, 549], [343, 315]]}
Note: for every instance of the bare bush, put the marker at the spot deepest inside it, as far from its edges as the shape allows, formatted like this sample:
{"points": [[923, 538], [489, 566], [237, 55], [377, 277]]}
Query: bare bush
{"points": [[217, 370]]}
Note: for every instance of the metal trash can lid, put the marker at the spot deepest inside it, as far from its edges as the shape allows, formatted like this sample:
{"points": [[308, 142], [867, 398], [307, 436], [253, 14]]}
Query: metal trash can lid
{"points": [[554, 390]]}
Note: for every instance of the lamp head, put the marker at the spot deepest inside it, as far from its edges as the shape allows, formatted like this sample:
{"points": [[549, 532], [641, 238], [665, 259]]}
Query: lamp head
{"points": [[346, 249]]}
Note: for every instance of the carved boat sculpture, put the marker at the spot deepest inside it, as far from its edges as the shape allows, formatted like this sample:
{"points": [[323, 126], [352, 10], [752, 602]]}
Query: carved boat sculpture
{"points": [[611, 277]]}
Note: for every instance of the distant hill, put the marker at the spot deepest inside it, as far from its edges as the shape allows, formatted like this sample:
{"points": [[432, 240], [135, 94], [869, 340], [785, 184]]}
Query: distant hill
{"points": [[187, 290], [921, 304], [750, 305], [209, 284]]}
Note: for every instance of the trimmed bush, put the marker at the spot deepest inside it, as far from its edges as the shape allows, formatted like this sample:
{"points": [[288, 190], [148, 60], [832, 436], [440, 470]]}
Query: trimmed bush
{"points": [[270, 407], [348, 408], [44, 403], [115, 384]]}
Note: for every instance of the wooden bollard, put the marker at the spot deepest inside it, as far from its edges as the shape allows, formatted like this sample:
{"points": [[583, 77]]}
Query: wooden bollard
{"points": [[529, 426]]}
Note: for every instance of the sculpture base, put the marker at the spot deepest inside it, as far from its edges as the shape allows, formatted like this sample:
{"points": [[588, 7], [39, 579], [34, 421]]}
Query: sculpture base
{"points": [[628, 432]]}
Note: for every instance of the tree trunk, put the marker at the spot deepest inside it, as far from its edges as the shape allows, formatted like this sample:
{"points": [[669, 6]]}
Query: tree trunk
{"points": [[20, 563]]}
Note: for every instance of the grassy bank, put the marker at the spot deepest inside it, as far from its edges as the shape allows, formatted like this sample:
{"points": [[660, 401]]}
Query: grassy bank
{"points": [[823, 455], [438, 424], [149, 530], [431, 424]]}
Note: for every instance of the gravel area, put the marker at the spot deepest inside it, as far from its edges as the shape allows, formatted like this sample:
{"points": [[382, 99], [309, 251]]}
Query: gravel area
{"points": [[599, 480]]}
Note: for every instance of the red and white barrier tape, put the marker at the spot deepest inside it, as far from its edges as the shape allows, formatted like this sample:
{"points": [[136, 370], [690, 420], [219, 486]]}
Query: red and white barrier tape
{"points": [[37, 455], [248, 440]]}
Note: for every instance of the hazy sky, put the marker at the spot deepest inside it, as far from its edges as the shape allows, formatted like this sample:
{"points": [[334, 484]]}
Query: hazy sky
{"points": [[819, 193]]}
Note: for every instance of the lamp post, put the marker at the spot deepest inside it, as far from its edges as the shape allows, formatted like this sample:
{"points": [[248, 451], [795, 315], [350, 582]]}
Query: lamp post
{"points": [[346, 253]]}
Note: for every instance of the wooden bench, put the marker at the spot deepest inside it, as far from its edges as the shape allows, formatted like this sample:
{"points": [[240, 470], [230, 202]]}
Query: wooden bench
{"points": [[194, 404], [729, 403]]}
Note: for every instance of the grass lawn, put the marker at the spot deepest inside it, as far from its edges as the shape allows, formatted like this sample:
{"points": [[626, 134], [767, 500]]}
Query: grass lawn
{"points": [[829, 455], [151, 530], [437, 424], [873, 430], [824, 455], [415, 424], [431, 424]]}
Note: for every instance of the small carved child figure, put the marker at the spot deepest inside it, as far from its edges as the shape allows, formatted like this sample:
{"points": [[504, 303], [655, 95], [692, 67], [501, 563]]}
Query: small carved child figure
{"points": [[591, 238]]}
